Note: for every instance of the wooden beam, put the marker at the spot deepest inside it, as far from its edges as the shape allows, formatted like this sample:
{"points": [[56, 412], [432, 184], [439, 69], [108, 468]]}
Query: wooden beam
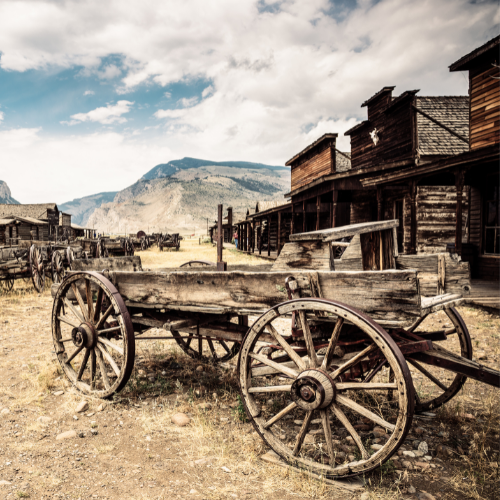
{"points": [[269, 236], [304, 216], [278, 244], [333, 212], [380, 204], [413, 217], [293, 217], [318, 208], [459, 183]]}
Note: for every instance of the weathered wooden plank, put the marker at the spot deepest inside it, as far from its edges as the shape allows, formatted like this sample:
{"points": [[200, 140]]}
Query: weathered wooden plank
{"points": [[314, 255], [131, 263], [337, 233]]}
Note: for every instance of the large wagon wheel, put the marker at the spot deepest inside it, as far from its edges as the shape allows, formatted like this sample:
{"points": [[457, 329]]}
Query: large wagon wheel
{"points": [[434, 386], [58, 271], [93, 334], [340, 396], [208, 349], [37, 268]]}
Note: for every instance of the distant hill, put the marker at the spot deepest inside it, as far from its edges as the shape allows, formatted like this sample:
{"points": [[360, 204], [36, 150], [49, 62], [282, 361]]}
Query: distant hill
{"points": [[5, 194], [82, 208], [170, 168], [179, 196]]}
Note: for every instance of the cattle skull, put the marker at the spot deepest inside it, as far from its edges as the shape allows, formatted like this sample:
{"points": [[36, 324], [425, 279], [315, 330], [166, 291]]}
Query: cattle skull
{"points": [[374, 136]]}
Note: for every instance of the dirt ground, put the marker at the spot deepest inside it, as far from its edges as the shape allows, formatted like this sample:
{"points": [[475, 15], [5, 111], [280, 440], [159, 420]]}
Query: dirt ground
{"points": [[129, 448]]}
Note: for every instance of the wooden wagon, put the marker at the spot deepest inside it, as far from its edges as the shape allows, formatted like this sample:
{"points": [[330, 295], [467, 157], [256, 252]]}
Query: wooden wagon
{"points": [[323, 354], [169, 241]]}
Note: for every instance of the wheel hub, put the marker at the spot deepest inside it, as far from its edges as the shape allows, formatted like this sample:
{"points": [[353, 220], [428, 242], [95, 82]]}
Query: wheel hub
{"points": [[85, 335], [313, 389]]}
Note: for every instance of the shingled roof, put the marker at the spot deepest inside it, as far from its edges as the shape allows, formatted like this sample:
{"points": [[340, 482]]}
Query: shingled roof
{"points": [[35, 211], [442, 125]]}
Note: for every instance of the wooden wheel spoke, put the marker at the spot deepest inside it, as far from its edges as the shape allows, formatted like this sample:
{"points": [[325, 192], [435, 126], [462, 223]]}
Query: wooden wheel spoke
{"points": [[104, 317], [352, 431], [200, 345], [110, 344], [332, 344], [313, 359], [90, 300], [363, 411], [328, 435], [302, 433], [98, 305], [80, 301], [69, 322], [109, 330], [352, 361], [109, 358], [104, 371], [93, 368], [290, 372], [73, 356], [280, 415], [370, 386], [287, 347], [212, 348], [188, 342], [429, 375], [83, 365], [271, 388], [225, 346]]}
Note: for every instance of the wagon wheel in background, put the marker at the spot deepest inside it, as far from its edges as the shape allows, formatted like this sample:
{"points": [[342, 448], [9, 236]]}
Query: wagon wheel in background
{"points": [[208, 349], [129, 247], [319, 390], [58, 271], [144, 244], [93, 335], [37, 268], [435, 386], [7, 284]]}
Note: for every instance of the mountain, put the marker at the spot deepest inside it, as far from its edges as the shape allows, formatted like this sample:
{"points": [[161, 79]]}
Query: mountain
{"points": [[170, 168], [181, 195], [5, 195], [82, 208]]}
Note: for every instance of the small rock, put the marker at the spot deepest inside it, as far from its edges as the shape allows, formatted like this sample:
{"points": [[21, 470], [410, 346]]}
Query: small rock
{"points": [[376, 447], [494, 465], [419, 431], [3, 482], [309, 439], [428, 458], [422, 465], [94, 432], [90, 414], [443, 434], [409, 454], [201, 391], [5, 411], [350, 440], [193, 492], [58, 393], [423, 495], [423, 447], [415, 444], [101, 407], [406, 464], [469, 416], [180, 419], [340, 455], [66, 435], [83, 406], [75, 417], [44, 420], [202, 461], [163, 373], [365, 496], [418, 453], [204, 406], [411, 490], [351, 457], [225, 469], [81, 434], [199, 368], [444, 451]]}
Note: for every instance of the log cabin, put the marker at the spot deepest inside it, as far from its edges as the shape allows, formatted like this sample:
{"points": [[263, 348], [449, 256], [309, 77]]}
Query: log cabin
{"points": [[14, 229]]}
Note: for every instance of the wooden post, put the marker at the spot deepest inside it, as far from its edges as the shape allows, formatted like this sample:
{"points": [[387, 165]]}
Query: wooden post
{"points": [[459, 183], [380, 204], [413, 217], [221, 266], [259, 237], [333, 216], [318, 211], [268, 235], [278, 241], [304, 216], [293, 217]]}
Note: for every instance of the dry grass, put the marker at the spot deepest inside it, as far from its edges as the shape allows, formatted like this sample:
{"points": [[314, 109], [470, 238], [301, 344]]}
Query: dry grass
{"points": [[192, 250]]}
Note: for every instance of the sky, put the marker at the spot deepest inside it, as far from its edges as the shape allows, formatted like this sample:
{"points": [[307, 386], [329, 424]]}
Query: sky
{"points": [[94, 94]]}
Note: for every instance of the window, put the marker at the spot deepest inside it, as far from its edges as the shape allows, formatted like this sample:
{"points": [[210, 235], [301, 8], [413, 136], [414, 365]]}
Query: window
{"points": [[492, 222]]}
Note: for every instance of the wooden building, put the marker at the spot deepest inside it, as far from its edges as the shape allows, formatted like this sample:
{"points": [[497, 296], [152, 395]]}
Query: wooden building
{"points": [[469, 182], [14, 229]]}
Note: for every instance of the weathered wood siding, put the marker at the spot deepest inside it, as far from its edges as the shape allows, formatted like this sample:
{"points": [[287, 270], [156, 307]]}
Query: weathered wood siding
{"points": [[300, 255], [436, 215], [484, 109], [310, 168], [475, 217], [395, 133], [363, 207]]}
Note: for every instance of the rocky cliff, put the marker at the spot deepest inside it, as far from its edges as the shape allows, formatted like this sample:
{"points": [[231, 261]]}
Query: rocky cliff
{"points": [[5, 194]]}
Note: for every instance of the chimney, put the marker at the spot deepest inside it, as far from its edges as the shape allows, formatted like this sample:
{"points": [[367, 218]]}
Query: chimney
{"points": [[377, 103]]}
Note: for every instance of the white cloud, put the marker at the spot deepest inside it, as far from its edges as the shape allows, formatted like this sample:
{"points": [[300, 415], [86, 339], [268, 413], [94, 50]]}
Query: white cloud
{"points": [[89, 92], [112, 113], [76, 165], [188, 102], [1, 116], [168, 95]]}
